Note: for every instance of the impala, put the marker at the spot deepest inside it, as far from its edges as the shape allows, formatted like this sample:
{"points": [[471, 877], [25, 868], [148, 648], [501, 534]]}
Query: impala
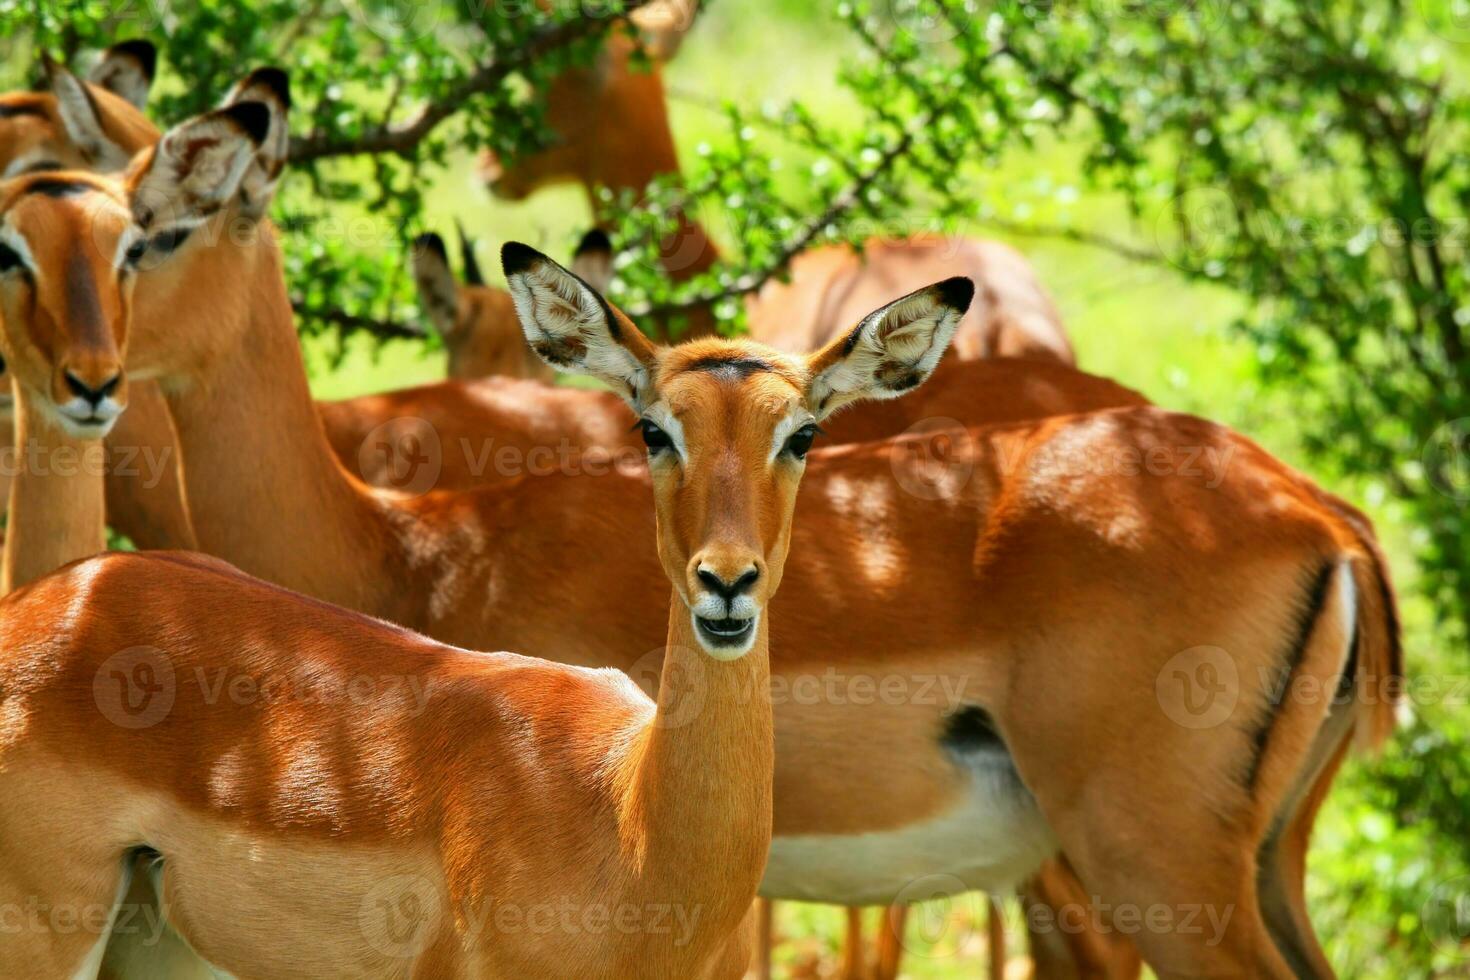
{"points": [[69, 390], [508, 783], [97, 125], [1054, 587]]}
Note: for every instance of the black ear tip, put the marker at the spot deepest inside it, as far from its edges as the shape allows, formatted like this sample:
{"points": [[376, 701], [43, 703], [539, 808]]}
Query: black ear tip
{"points": [[274, 79], [956, 293], [431, 242], [253, 117], [516, 257], [144, 52], [595, 240]]}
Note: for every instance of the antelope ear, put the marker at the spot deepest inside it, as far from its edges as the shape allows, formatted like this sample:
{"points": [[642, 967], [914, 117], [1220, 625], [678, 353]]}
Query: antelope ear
{"points": [[472, 274], [82, 119], [126, 70], [572, 328], [438, 292], [270, 87], [593, 260], [892, 350], [194, 170]]}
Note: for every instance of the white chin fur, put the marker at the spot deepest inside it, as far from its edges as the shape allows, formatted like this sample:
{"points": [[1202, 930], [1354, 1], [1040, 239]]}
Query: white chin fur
{"points": [[81, 422], [726, 651]]}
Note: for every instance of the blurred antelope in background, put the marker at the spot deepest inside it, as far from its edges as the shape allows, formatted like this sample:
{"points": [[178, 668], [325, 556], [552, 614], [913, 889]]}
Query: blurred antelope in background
{"points": [[476, 322]]}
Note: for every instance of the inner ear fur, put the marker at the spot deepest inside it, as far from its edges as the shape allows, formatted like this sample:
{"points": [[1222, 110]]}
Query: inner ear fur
{"points": [[892, 350], [572, 327], [126, 70], [271, 87], [193, 171]]}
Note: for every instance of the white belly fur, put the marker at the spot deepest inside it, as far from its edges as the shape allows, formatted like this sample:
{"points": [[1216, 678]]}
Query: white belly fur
{"points": [[993, 838]]}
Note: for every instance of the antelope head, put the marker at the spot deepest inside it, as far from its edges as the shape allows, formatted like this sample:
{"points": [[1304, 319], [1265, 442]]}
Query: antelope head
{"points": [[728, 424], [66, 283]]}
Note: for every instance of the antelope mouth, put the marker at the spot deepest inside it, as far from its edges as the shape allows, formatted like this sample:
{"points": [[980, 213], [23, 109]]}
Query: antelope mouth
{"points": [[725, 632], [86, 425]]}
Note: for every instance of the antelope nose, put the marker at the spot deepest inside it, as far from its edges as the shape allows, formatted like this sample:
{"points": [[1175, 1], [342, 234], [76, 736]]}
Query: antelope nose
{"points": [[728, 588], [92, 393]]}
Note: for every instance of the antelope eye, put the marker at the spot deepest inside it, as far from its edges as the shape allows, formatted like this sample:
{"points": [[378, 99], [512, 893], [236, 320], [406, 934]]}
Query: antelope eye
{"points": [[166, 242], [136, 251], [654, 438], [800, 441], [9, 258]]}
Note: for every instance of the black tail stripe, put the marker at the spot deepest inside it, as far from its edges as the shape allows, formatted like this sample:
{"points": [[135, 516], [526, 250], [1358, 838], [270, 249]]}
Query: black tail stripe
{"points": [[1315, 596]]}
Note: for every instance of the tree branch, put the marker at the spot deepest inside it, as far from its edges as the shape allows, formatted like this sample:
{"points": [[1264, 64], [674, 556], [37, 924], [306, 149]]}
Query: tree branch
{"points": [[349, 322], [403, 138]]}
